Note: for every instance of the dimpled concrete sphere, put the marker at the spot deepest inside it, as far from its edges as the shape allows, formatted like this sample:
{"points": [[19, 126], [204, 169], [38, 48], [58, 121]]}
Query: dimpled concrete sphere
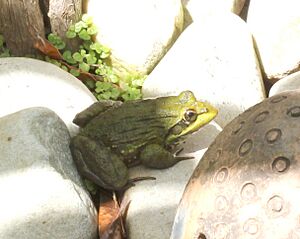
{"points": [[247, 185]]}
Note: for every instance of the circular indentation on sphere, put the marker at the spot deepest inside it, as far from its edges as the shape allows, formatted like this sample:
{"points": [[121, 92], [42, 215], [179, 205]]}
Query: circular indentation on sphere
{"points": [[278, 98], [251, 226], [281, 164], [275, 204], [245, 147], [218, 154], [221, 203], [294, 111], [238, 127], [248, 192], [273, 135], [261, 116], [201, 236], [221, 175], [221, 231]]}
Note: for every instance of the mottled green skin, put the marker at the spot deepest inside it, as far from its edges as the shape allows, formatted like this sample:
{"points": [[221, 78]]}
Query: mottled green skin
{"points": [[115, 135]]}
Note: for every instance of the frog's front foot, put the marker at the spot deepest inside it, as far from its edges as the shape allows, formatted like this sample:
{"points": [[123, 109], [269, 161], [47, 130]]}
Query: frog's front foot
{"points": [[98, 163], [155, 156]]}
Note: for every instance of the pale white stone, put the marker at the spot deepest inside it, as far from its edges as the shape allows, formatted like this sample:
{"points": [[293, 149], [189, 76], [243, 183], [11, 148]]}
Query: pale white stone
{"points": [[198, 10], [218, 66], [138, 32], [41, 192], [154, 202], [26, 82], [275, 27], [291, 82]]}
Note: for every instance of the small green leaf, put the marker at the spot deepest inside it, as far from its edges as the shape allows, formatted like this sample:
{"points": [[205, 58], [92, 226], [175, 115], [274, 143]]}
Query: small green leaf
{"points": [[87, 44], [70, 34], [84, 35], [67, 55], [84, 67], [79, 26], [77, 57], [71, 28], [64, 68], [60, 45], [90, 59], [101, 71], [56, 41], [92, 30], [82, 52], [97, 47], [87, 19], [75, 72], [104, 55]]}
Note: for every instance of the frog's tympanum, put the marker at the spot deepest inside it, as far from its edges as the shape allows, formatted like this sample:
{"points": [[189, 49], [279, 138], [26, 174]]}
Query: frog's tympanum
{"points": [[116, 135]]}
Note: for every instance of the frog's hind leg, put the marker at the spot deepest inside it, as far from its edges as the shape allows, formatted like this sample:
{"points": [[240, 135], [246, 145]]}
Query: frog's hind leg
{"points": [[98, 163], [82, 118], [155, 156]]}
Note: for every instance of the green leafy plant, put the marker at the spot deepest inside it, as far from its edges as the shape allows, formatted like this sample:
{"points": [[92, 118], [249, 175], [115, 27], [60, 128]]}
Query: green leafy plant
{"points": [[93, 61], [4, 51]]}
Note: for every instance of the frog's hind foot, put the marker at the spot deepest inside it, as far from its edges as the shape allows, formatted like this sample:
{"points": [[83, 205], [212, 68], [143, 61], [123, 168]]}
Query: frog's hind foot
{"points": [[131, 182]]}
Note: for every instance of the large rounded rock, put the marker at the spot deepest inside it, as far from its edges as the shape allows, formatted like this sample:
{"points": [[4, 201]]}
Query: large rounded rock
{"points": [[275, 28], [247, 183], [42, 195], [207, 61], [138, 33], [26, 82]]}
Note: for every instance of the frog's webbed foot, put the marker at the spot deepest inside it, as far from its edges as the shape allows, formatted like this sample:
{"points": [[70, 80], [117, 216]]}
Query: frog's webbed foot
{"points": [[180, 158], [131, 182], [155, 156]]}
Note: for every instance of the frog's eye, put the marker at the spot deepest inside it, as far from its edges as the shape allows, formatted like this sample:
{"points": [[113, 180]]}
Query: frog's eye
{"points": [[190, 116]]}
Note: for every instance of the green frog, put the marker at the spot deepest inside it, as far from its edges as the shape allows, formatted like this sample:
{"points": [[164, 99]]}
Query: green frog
{"points": [[114, 136]]}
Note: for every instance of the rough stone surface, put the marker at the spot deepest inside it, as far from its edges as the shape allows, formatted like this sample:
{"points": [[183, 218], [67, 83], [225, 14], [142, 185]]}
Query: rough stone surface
{"points": [[198, 10], [138, 32], [153, 203], [275, 27], [207, 61], [247, 183], [291, 82], [41, 191], [26, 82]]}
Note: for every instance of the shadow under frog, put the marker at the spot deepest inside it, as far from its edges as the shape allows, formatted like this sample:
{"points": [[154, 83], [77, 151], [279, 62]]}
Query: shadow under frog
{"points": [[115, 136]]}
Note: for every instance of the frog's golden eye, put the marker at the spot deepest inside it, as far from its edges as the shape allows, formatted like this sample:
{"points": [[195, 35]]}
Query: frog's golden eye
{"points": [[190, 116]]}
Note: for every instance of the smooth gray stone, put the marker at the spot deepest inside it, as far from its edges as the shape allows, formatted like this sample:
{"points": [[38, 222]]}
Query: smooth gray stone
{"points": [[41, 192]]}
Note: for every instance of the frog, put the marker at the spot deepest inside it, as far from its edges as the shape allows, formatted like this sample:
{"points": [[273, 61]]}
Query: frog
{"points": [[115, 136]]}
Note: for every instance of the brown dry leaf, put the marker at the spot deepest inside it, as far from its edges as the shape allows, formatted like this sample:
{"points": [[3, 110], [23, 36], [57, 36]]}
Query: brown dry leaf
{"points": [[47, 49], [111, 219]]}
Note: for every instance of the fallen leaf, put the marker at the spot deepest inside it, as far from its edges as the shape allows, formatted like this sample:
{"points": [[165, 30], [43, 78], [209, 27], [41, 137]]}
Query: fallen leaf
{"points": [[47, 48], [111, 219]]}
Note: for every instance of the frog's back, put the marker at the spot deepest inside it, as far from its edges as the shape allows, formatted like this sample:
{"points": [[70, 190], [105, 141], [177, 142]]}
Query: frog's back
{"points": [[131, 125]]}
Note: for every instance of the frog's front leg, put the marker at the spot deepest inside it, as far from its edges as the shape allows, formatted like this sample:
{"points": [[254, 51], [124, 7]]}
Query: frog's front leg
{"points": [[155, 156], [98, 163]]}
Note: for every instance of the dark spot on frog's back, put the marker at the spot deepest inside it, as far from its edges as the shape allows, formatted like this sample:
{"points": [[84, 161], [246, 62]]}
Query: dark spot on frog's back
{"points": [[9, 138]]}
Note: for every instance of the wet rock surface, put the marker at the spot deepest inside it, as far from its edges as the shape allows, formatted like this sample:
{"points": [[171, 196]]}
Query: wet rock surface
{"points": [[247, 183]]}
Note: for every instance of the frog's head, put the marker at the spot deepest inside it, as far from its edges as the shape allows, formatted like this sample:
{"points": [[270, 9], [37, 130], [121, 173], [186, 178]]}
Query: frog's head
{"points": [[192, 115]]}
